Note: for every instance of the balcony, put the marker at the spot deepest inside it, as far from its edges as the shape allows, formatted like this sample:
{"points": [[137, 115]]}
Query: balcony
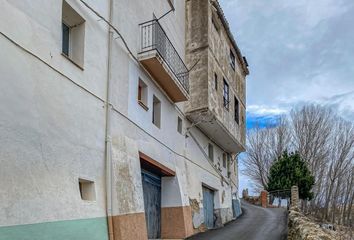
{"points": [[163, 62], [223, 131]]}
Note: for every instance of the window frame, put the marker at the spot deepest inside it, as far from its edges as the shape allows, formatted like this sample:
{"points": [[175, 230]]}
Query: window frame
{"points": [[215, 24], [179, 125], [76, 27], [143, 95], [224, 160], [87, 190], [156, 115], [237, 110], [232, 59], [211, 152], [226, 95], [215, 81], [65, 25]]}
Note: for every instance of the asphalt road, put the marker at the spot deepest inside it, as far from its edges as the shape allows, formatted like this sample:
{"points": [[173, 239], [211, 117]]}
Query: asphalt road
{"points": [[256, 223]]}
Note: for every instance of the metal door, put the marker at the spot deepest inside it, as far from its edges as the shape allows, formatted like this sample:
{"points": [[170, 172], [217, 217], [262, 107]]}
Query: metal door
{"points": [[208, 207], [236, 206], [152, 203]]}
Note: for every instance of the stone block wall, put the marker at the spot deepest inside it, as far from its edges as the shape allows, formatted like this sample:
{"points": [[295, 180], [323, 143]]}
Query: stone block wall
{"points": [[302, 228], [294, 197], [208, 50]]}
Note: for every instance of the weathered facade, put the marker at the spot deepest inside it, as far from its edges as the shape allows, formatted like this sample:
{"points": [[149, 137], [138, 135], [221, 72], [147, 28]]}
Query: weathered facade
{"points": [[98, 138], [217, 87]]}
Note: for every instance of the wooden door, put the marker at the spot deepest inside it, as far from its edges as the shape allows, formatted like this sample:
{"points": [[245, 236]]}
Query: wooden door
{"points": [[208, 207]]}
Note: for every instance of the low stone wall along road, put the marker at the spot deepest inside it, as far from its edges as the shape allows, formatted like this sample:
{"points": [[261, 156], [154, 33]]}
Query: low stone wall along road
{"points": [[256, 223]]}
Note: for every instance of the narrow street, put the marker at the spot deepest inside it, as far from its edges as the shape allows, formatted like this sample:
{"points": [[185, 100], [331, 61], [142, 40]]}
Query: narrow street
{"points": [[256, 223]]}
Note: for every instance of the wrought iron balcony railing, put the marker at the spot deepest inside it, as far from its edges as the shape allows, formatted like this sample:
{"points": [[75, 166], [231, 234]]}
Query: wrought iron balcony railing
{"points": [[153, 37]]}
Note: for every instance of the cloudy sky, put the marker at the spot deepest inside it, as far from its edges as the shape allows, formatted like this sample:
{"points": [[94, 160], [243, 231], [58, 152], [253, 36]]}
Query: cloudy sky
{"points": [[298, 51]]}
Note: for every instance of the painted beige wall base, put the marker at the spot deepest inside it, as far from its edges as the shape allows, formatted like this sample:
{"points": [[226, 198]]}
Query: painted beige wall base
{"points": [[129, 227], [176, 222]]}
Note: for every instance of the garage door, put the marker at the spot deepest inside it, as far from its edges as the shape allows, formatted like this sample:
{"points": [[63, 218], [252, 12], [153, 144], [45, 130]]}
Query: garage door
{"points": [[208, 207], [152, 203]]}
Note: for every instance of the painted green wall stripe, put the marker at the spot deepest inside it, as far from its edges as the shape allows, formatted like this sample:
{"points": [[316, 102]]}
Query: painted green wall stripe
{"points": [[83, 229]]}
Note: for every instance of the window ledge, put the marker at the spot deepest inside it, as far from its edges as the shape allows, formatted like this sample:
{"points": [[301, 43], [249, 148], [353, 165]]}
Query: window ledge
{"points": [[89, 202], [143, 105], [70, 60]]}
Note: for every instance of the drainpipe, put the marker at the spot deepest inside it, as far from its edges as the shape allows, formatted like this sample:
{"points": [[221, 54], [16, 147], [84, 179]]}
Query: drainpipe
{"points": [[108, 140]]}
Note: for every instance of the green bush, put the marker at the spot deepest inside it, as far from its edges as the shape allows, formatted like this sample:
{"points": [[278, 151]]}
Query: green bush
{"points": [[290, 170]]}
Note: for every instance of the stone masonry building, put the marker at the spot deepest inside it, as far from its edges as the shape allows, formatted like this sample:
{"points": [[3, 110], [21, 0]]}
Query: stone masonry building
{"points": [[120, 119]]}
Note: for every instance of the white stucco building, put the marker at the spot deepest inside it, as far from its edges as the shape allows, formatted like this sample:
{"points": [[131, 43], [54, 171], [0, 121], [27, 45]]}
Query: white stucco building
{"points": [[101, 130]]}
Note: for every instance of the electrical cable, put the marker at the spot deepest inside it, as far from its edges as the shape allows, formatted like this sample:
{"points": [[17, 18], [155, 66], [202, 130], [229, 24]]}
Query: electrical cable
{"points": [[99, 98]]}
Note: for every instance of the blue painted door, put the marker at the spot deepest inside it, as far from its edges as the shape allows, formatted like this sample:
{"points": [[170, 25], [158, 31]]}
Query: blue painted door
{"points": [[208, 207], [152, 203], [236, 206]]}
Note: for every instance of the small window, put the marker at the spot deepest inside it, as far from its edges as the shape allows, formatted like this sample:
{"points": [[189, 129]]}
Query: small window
{"points": [[216, 26], [226, 95], [232, 60], [228, 165], [156, 112], [73, 35], [215, 81], [142, 94], [87, 190], [179, 125], [224, 159], [66, 39], [237, 111], [211, 152]]}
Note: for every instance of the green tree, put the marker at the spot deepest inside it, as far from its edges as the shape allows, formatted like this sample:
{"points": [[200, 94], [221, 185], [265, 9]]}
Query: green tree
{"points": [[290, 170]]}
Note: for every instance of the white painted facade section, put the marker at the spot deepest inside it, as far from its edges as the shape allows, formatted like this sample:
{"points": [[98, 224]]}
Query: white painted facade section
{"points": [[53, 117]]}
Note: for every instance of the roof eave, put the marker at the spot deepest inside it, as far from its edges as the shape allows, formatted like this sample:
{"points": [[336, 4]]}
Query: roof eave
{"points": [[225, 23]]}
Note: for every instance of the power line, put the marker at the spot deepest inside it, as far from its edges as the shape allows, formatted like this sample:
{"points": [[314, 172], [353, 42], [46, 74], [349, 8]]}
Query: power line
{"points": [[113, 27]]}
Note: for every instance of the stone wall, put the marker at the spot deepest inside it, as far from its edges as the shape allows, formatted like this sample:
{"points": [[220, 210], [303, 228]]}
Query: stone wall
{"points": [[302, 228]]}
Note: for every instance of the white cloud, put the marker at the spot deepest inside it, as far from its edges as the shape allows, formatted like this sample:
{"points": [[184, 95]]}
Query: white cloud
{"points": [[343, 103], [299, 52], [263, 110]]}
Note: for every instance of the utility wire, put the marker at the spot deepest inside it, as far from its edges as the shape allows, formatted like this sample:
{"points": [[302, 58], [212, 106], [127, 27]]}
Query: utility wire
{"points": [[131, 53], [120, 35], [101, 99], [208, 159], [133, 56], [165, 14], [113, 27]]}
